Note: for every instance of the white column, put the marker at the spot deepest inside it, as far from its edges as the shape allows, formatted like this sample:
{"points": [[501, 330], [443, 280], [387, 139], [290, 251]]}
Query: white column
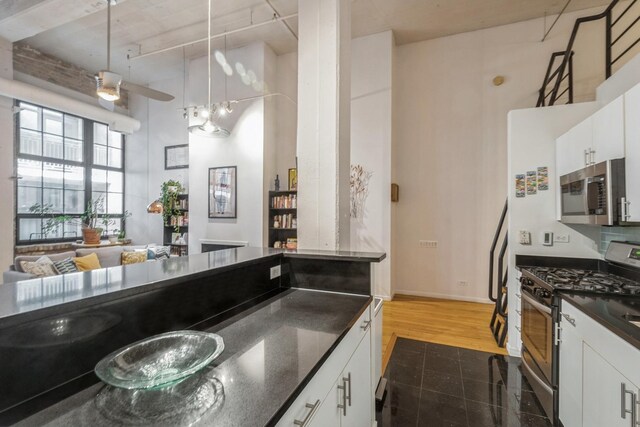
{"points": [[7, 211], [323, 147]]}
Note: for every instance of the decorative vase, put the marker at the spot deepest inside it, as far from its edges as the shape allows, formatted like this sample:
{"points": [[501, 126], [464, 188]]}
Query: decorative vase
{"points": [[91, 236]]}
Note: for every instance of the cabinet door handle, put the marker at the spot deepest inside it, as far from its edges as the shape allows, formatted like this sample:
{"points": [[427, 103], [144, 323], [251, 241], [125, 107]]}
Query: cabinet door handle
{"points": [[348, 392], [592, 157], [365, 325], [557, 339], [624, 207], [343, 405], [518, 328], [586, 157], [314, 407], [569, 319], [623, 404], [519, 312]]}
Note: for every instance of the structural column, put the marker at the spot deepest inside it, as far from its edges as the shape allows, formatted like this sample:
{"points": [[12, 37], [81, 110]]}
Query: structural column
{"points": [[7, 210], [324, 97]]}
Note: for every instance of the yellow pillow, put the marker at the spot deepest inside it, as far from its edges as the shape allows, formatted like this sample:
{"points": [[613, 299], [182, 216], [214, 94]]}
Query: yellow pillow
{"points": [[134, 257], [87, 262]]}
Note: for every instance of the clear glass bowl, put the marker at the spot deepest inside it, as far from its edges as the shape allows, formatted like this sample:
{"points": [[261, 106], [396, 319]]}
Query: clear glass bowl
{"points": [[160, 361]]}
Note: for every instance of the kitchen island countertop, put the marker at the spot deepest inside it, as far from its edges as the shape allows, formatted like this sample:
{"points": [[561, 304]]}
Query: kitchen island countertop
{"points": [[271, 352]]}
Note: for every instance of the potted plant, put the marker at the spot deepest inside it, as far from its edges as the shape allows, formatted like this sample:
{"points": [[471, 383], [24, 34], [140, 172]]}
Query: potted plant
{"points": [[170, 191], [88, 221]]}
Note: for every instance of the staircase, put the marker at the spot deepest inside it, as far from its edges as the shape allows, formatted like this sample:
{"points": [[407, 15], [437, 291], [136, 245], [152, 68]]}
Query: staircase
{"points": [[619, 18], [499, 319]]}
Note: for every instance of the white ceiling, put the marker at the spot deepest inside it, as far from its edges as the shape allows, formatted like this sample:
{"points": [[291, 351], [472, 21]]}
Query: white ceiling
{"points": [[147, 25]]}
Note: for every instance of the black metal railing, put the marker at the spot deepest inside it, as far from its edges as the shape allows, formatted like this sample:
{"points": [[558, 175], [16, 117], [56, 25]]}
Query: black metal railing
{"points": [[558, 80], [498, 322]]}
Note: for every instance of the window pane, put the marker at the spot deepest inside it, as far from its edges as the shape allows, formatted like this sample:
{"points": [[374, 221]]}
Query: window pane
{"points": [[114, 226], [99, 134], [74, 178], [52, 233], [30, 229], [53, 197], [73, 150], [73, 202], [115, 139], [115, 157], [52, 175], [72, 229], [53, 146], [73, 127], [99, 180], [52, 121], [30, 142], [115, 182], [29, 173], [97, 196], [29, 116], [114, 203], [100, 155], [27, 197]]}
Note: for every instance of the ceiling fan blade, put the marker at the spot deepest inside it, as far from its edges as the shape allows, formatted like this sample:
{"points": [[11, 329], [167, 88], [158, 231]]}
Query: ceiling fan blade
{"points": [[148, 92], [109, 105]]}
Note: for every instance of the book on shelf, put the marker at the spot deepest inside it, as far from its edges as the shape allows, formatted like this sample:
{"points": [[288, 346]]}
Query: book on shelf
{"points": [[285, 221], [180, 220], [284, 202]]}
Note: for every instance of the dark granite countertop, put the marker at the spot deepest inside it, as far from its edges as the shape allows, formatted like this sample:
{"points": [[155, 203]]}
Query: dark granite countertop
{"points": [[271, 352], [42, 297], [608, 311]]}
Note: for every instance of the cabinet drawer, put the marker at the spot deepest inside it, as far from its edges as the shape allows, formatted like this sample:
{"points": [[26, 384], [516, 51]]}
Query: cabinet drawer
{"points": [[310, 399]]}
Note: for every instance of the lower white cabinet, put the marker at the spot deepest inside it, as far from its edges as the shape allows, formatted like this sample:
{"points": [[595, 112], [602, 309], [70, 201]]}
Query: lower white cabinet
{"points": [[340, 394], [599, 374]]}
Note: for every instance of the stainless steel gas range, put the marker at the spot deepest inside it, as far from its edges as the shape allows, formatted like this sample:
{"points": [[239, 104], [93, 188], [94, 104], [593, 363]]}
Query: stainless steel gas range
{"points": [[541, 285]]}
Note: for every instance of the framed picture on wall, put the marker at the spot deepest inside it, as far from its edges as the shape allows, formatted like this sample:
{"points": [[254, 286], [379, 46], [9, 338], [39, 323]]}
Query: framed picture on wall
{"points": [[176, 156], [223, 192], [293, 179]]}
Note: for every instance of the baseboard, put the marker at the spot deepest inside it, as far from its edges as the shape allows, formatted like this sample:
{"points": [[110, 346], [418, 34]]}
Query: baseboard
{"points": [[442, 296]]}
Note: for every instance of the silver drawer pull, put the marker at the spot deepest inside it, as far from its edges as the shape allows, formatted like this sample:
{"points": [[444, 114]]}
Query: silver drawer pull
{"points": [[365, 325], [518, 295], [313, 410], [343, 405], [569, 319], [519, 312], [623, 404], [518, 328]]}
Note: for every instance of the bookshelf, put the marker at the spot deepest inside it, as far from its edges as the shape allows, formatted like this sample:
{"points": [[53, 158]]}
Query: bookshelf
{"points": [[182, 220], [283, 217]]}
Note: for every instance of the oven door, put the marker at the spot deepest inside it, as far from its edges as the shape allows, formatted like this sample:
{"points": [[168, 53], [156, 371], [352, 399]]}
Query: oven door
{"points": [[537, 333]]}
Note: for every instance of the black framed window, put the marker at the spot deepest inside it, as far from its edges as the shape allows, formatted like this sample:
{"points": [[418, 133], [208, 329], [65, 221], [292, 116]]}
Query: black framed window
{"points": [[62, 162]]}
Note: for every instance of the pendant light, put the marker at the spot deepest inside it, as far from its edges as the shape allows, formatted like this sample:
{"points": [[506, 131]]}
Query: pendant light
{"points": [[209, 128]]}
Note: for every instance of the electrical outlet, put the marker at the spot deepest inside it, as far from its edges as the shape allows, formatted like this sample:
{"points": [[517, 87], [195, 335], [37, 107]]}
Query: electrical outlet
{"points": [[274, 272], [428, 244], [561, 238], [463, 283], [525, 237]]}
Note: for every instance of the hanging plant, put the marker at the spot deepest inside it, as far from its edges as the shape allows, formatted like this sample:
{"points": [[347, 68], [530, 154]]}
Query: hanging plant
{"points": [[169, 196]]}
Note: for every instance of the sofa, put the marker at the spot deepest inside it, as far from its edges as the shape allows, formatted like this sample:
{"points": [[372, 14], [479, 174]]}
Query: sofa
{"points": [[108, 257]]}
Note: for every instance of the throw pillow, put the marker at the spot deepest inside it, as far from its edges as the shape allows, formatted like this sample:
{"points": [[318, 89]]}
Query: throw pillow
{"points": [[65, 266], [43, 267], [160, 252], [87, 262], [134, 257]]}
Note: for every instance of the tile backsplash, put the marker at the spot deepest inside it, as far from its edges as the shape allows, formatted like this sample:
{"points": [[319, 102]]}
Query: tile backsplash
{"points": [[607, 234]]}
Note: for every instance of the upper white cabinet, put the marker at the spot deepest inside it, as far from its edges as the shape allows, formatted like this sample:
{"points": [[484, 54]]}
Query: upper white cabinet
{"points": [[632, 143], [599, 375], [573, 149], [608, 132]]}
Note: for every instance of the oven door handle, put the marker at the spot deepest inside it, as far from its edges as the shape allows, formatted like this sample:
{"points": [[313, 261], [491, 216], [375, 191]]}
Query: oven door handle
{"points": [[536, 377], [536, 304]]}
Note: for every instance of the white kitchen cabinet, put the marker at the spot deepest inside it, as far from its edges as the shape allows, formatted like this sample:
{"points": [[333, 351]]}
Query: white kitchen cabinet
{"points": [[570, 380], [608, 132], [317, 404], [573, 148], [594, 366], [603, 402], [632, 152]]}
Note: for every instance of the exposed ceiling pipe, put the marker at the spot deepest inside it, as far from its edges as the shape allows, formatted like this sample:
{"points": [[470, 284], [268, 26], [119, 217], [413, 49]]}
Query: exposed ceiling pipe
{"points": [[213, 37], [29, 93], [277, 14]]}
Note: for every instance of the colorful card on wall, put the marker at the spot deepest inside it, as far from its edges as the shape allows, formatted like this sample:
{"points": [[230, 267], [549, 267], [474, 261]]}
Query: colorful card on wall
{"points": [[543, 178], [520, 186], [532, 183]]}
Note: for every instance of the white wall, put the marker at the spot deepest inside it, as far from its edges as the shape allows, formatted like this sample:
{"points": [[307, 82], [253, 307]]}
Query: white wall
{"points": [[531, 141], [371, 118], [251, 147], [450, 148], [7, 185], [287, 115]]}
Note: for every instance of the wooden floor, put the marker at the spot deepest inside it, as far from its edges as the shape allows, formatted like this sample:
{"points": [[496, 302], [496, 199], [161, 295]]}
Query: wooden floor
{"points": [[455, 323]]}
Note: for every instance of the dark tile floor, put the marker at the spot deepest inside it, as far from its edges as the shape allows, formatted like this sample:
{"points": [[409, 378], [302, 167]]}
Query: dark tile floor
{"points": [[437, 385]]}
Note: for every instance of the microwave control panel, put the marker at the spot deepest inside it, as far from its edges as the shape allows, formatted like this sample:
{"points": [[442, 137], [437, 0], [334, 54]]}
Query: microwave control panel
{"points": [[635, 254]]}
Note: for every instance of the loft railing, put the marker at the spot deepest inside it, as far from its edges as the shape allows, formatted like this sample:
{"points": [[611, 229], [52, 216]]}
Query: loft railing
{"points": [[558, 81], [498, 322]]}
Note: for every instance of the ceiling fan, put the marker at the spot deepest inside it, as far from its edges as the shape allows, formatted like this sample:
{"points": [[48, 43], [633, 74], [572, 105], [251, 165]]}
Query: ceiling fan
{"points": [[108, 83]]}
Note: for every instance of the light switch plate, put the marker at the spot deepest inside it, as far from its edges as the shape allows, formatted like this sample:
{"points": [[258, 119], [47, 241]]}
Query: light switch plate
{"points": [[274, 272], [547, 238], [525, 237]]}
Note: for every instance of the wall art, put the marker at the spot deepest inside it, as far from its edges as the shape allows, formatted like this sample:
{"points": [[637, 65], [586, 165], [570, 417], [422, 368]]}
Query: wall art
{"points": [[359, 185], [223, 195], [520, 185], [532, 183], [176, 156], [543, 178]]}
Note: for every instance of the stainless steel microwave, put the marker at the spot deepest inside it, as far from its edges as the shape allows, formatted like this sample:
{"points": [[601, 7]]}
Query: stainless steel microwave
{"points": [[594, 195]]}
